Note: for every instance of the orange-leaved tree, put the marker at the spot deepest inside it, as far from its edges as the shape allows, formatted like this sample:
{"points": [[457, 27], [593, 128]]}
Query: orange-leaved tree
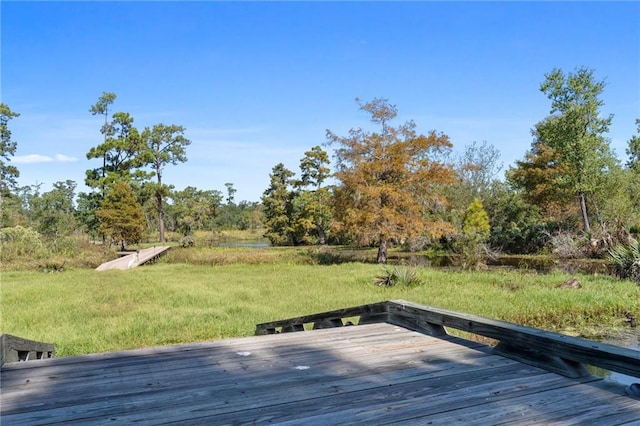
{"points": [[390, 180]]}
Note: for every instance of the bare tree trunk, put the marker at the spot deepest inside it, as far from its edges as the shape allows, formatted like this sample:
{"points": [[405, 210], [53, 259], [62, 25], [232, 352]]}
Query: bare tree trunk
{"points": [[160, 205], [160, 217], [322, 236], [382, 252], [583, 209]]}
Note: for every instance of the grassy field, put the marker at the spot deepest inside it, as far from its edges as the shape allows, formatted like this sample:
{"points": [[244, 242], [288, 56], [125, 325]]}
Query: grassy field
{"points": [[204, 294]]}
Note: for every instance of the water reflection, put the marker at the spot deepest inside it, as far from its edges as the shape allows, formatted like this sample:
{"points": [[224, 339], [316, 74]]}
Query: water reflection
{"points": [[626, 338]]}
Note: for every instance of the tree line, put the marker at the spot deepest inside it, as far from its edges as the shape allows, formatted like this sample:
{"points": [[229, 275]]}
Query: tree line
{"points": [[128, 201], [390, 186], [569, 195]]}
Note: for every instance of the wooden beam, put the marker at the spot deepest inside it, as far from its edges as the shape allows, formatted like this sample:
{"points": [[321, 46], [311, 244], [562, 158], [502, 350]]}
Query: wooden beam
{"points": [[521, 342], [377, 310], [13, 349]]}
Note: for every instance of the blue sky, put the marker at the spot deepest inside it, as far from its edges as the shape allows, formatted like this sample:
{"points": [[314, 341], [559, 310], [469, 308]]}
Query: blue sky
{"points": [[258, 83]]}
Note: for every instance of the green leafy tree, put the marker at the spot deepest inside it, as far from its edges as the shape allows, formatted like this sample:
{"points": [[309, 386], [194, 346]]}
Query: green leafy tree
{"points": [[278, 207], [616, 202], [162, 145], [390, 180], [87, 206], [633, 151], [575, 132], [633, 181], [12, 212], [8, 173], [101, 107], [121, 153], [616, 206], [313, 200], [193, 209], [54, 211], [516, 226], [121, 216], [244, 215], [298, 211], [231, 193]]}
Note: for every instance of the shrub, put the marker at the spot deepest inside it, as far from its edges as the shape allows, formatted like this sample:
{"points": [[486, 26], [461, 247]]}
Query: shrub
{"points": [[398, 275], [188, 241], [471, 244], [566, 245], [69, 246], [626, 260], [19, 243], [55, 264]]}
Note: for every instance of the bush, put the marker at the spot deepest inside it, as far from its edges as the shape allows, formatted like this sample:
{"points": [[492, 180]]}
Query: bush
{"points": [[25, 249], [566, 245], [52, 265], [398, 275], [20, 243], [66, 246], [626, 260], [188, 241]]}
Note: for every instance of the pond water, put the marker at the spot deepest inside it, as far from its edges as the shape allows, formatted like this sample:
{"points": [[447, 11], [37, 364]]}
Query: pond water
{"points": [[627, 338], [255, 244]]}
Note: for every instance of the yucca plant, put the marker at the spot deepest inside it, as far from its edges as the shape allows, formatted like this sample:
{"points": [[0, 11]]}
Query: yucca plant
{"points": [[626, 260], [398, 276]]}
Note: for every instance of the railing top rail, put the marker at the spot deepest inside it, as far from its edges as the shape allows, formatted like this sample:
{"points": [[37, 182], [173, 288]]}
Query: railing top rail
{"points": [[522, 339], [12, 347], [609, 357], [369, 309]]}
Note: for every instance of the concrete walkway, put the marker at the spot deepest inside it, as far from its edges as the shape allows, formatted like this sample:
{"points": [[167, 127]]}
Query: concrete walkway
{"points": [[134, 259]]}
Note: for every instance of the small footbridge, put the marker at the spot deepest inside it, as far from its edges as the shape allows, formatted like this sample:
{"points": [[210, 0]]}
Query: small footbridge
{"points": [[135, 259]]}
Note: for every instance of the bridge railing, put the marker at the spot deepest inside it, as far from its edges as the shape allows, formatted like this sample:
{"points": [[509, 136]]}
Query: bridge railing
{"points": [[555, 352], [14, 349]]}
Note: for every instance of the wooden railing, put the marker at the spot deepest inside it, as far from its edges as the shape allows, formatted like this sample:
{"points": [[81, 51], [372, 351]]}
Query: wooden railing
{"points": [[13, 349], [555, 352]]}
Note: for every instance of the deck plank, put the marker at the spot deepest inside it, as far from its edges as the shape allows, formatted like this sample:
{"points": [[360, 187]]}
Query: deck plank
{"points": [[374, 374], [228, 371]]}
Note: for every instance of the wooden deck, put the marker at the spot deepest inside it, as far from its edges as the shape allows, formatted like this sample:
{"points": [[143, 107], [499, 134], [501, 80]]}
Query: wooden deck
{"points": [[134, 259], [376, 373]]}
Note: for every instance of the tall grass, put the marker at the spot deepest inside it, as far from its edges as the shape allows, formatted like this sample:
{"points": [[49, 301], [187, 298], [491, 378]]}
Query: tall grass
{"points": [[85, 311]]}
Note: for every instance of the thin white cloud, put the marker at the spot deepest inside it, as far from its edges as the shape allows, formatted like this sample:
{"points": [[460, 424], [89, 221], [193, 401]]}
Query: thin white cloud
{"points": [[37, 158]]}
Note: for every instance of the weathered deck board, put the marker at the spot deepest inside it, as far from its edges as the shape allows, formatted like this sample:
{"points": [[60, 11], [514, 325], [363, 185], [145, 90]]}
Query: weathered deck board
{"points": [[374, 374]]}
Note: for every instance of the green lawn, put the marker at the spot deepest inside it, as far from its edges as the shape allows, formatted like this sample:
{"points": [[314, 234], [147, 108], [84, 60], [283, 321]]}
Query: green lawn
{"points": [[84, 311]]}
